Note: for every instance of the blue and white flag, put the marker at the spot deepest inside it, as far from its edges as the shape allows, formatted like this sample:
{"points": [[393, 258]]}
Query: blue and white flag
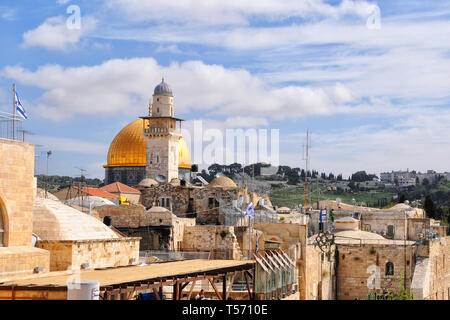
{"points": [[320, 216], [19, 107], [256, 244], [250, 211]]}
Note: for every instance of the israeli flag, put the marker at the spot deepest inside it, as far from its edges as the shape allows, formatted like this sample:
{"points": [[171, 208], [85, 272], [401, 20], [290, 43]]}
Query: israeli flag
{"points": [[19, 107], [250, 211], [320, 216]]}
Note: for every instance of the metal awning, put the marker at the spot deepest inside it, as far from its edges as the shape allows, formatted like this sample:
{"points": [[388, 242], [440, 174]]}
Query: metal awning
{"points": [[259, 261]]}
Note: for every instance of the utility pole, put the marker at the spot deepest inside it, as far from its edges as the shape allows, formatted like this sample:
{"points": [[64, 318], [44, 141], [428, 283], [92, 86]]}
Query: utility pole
{"points": [[306, 158]]}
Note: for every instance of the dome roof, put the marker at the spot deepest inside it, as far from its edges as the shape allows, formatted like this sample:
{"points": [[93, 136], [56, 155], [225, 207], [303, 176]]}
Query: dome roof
{"points": [[163, 89], [148, 182], [128, 148], [157, 209], [222, 182], [53, 220], [184, 155]]}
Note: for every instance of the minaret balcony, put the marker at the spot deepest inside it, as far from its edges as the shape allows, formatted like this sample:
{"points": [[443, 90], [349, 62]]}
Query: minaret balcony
{"points": [[160, 131]]}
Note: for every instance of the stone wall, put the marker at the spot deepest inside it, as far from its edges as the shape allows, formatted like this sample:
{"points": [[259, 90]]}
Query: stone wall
{"points": [[362, 268], [21, 261], [132, 216], [17, 191], [97, 253], [221, 241], [186, 200], [373, 221], [439, 258]]}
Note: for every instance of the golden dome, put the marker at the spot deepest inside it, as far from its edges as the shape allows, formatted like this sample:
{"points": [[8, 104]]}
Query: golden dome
{"points": [[128, 148], [184, 156]]}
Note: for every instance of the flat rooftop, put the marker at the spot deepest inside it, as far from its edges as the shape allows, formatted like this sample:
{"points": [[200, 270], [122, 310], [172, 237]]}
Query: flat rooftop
{"points": [[123, 275]]}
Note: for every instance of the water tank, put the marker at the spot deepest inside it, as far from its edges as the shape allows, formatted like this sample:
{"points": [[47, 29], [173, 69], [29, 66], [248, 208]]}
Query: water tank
{"points": [[83, 290]]}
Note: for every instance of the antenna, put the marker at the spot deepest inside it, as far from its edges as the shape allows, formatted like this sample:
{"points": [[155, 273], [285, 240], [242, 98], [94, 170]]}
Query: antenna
{"points": [[80, 191], [306, 159], [23, 133], [49, 153]]}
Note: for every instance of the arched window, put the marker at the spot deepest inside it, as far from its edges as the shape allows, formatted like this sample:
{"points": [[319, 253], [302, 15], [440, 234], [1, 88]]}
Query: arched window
{"points": [[389, 269], [2, 227]]}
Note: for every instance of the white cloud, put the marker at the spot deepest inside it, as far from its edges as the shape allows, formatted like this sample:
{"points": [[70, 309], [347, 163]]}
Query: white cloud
{"points": [[8, 14], [125, 85], [54, 34], [416, 141], [233, 12], [169, 48], [69, 145]]}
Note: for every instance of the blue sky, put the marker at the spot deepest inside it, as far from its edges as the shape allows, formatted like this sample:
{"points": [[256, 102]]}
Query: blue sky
{"points": [[375, 96]]}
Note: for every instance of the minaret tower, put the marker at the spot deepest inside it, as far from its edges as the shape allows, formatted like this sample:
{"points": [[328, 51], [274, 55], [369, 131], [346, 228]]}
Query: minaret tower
{"points": [[162, 135]]}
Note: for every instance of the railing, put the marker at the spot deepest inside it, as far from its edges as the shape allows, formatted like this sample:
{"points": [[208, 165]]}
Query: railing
{"points": [[162, 255], [157, 130], [9, 129]]}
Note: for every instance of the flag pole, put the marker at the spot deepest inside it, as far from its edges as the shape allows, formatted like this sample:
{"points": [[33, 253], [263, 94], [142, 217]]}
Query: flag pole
{"points": [[14, 113], [249, 239]]}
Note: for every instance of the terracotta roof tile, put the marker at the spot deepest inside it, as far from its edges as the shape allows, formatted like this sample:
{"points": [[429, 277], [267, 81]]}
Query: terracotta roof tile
{"points": [[118, 187], [97, 192]]}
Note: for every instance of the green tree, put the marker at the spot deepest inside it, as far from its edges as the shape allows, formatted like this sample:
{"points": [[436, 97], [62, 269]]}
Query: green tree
{"points": [[430, 207]]}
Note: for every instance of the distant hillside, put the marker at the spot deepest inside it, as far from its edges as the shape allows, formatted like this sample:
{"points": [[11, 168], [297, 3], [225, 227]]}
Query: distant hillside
{"points": [[56, 183]]}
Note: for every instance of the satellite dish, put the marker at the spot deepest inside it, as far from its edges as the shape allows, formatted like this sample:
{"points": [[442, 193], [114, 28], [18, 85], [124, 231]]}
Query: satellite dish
{"points": [[219, 174], [160, 178]]}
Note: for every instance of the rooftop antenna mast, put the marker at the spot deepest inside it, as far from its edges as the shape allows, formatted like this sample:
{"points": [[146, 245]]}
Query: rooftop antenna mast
{"points": [[80, 191], [306, 158]]}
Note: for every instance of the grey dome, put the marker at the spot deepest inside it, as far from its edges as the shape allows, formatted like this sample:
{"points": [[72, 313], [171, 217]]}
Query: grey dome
{"points": [[163, 89]]}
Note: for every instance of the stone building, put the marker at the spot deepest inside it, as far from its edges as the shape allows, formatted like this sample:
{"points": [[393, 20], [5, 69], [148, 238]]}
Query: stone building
{"points": [[77, 240], [123, 191], [201, 203], [18, 256], [157, 227]]}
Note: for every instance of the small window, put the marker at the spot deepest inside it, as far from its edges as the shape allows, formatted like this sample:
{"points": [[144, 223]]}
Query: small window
{"points": [[157, 99], [389, 269], [390, 230], [210, 203], [168, 203], [157, 110], [162, 202]]}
